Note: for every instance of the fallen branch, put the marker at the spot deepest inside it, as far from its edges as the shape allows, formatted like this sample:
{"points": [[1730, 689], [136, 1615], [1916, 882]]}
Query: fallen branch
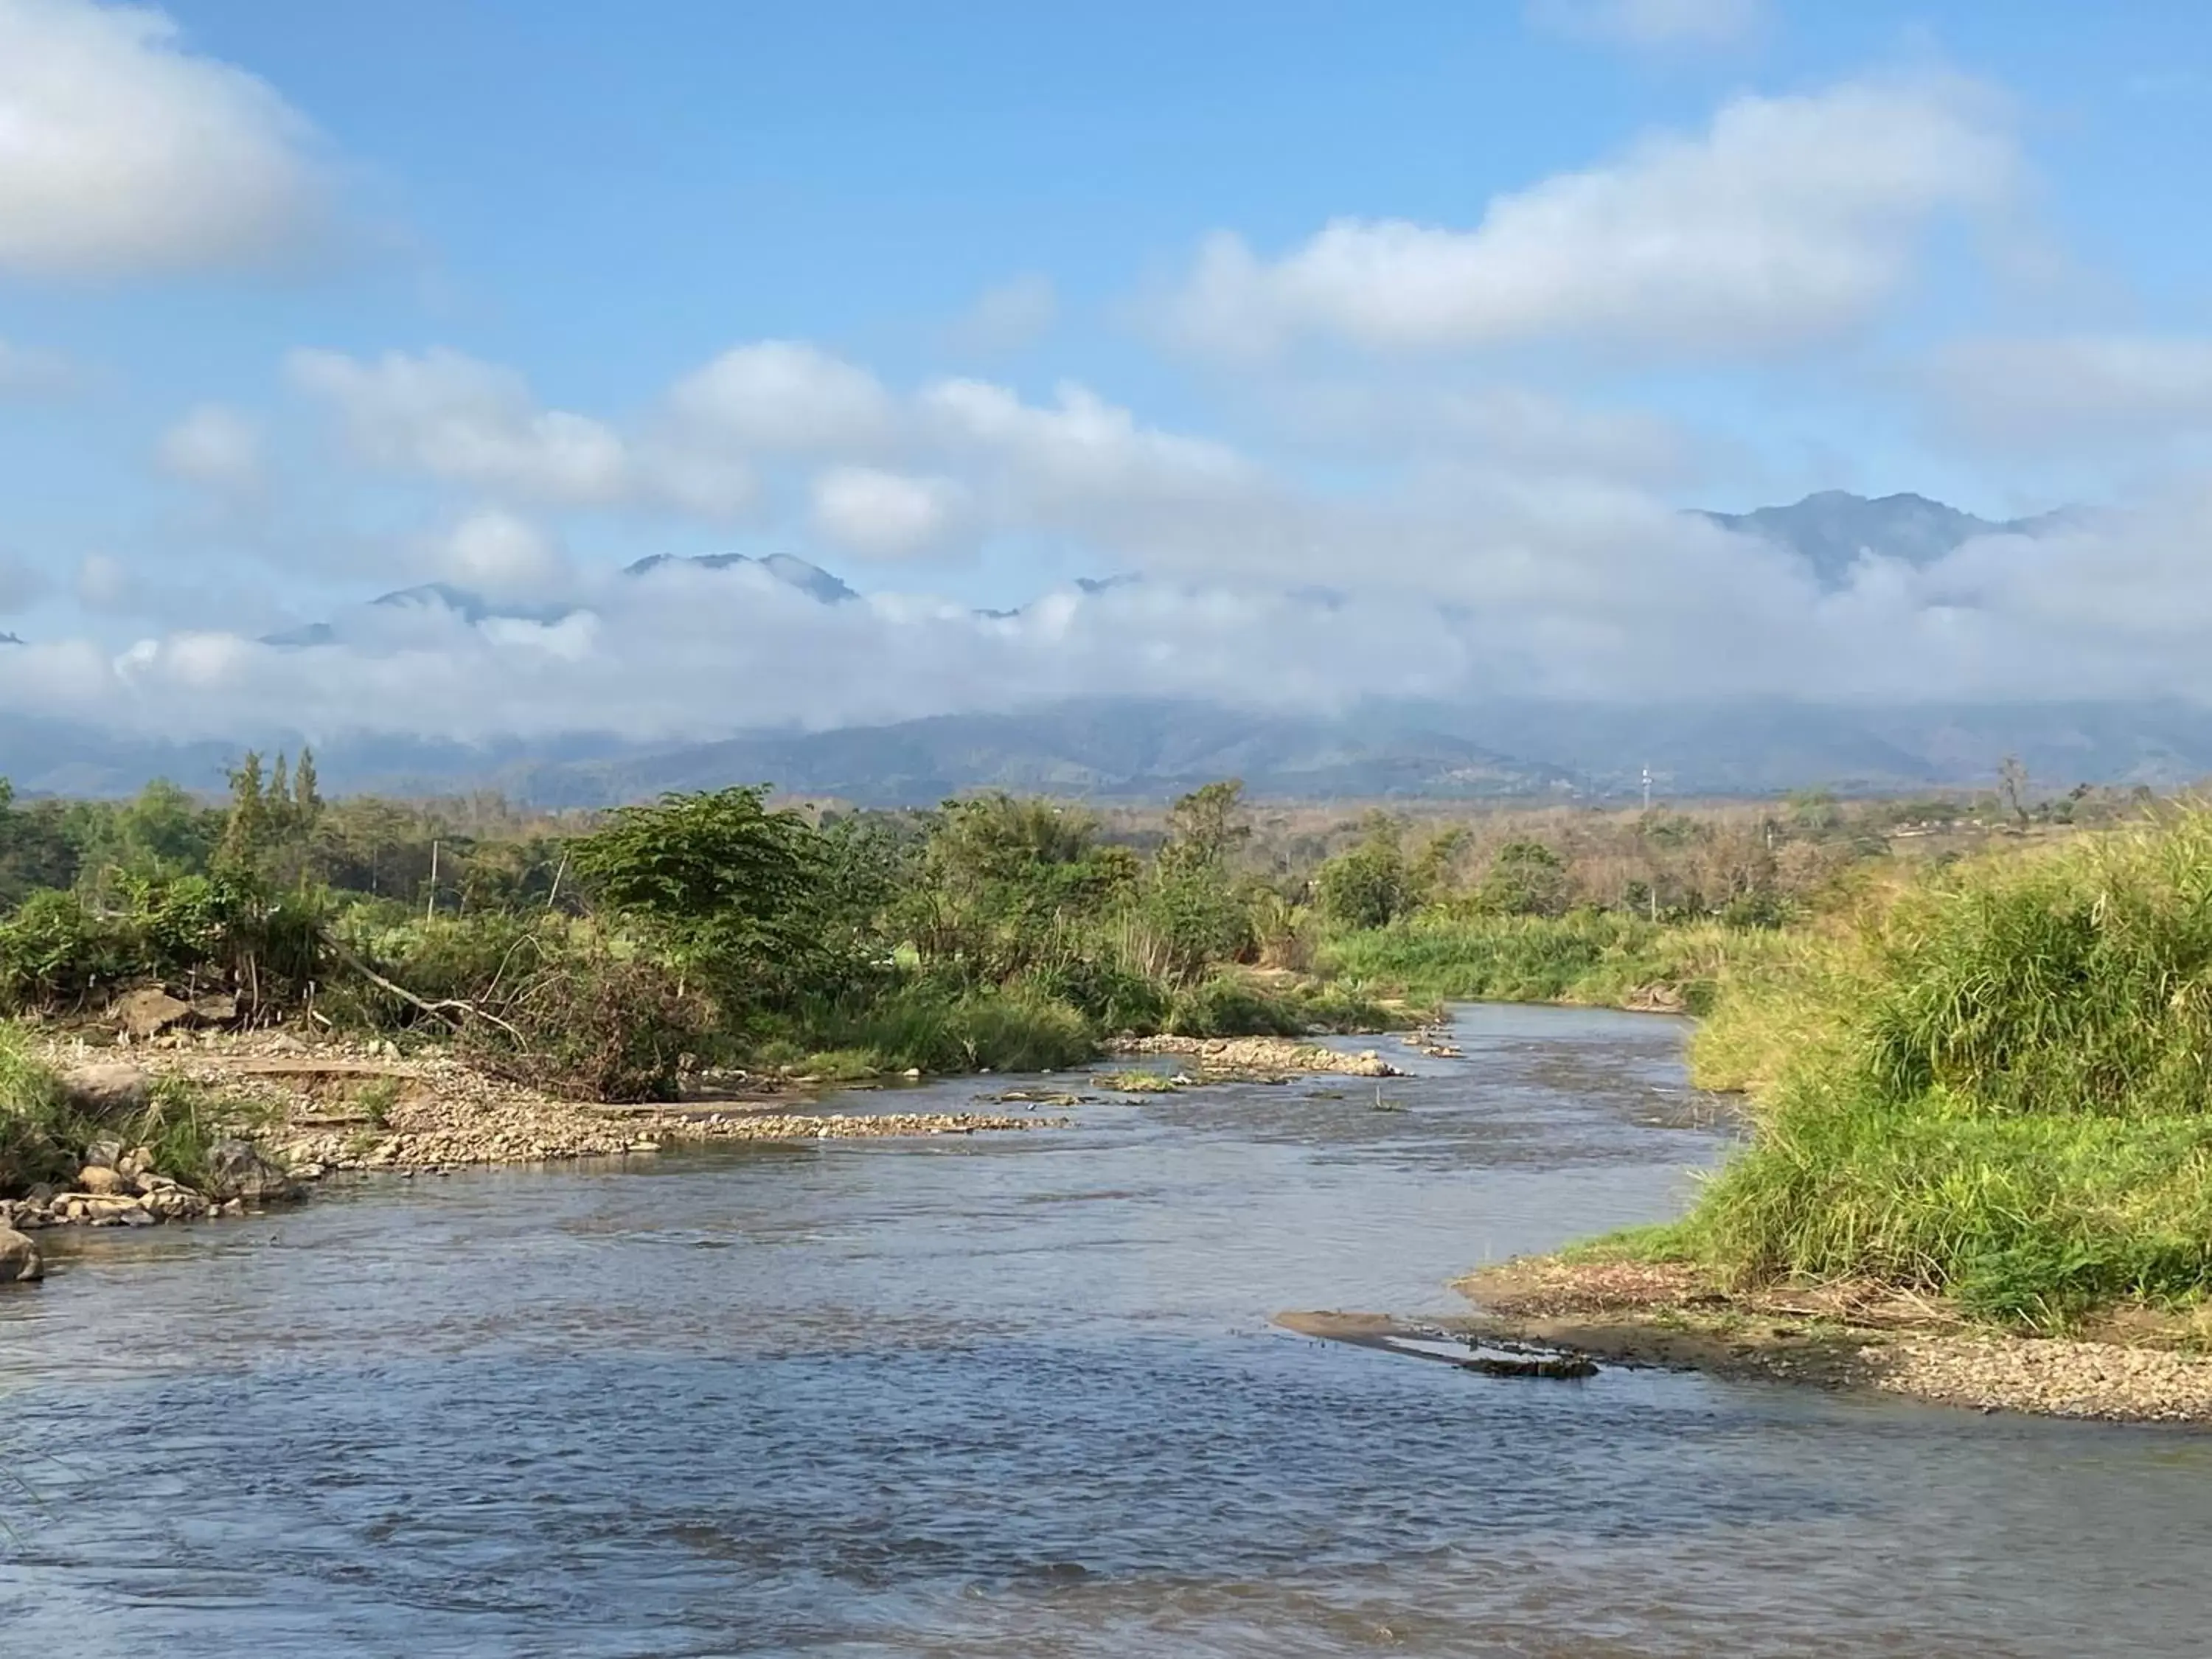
{"points": [[449, 1009]]}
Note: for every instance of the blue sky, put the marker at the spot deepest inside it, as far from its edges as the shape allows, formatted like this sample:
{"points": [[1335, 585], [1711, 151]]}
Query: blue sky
{"points": [[302, 304]]}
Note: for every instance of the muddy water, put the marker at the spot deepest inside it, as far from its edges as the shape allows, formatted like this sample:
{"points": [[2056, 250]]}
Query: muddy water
{"points": [[1018, 1396]]}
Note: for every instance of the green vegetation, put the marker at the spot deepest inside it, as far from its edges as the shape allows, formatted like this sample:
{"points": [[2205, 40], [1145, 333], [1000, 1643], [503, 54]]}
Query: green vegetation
{"points": [[606, 956], [1604, 957], [43, 1137], [1989, 1081]]}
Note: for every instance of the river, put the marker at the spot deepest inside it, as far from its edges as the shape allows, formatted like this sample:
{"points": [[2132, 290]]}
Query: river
{"points": [[1018, 1395]]}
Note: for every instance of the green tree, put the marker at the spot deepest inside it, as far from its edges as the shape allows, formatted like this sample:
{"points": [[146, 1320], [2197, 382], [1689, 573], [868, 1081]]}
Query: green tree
{"points": [[306, 791], [246, 833], [731, 894], [1525, 878], [36, 847], [1193, 912], [1007, 885], [1368, 886], [1207, 827]]}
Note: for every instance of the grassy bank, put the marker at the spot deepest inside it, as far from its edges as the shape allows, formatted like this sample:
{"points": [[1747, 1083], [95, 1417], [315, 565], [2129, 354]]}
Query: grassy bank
{"points": [[1990, 1083], [44, 1134], [1601, 958]]}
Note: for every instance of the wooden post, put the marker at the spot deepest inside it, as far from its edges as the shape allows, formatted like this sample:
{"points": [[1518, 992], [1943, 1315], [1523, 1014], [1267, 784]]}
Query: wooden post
{"points": [[430, 904]]}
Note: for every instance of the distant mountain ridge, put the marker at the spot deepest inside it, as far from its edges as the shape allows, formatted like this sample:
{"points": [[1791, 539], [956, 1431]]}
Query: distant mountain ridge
{"points": [[1122, 747], [1830, 528], [811, 579], [473, 608], [1136, 747]]}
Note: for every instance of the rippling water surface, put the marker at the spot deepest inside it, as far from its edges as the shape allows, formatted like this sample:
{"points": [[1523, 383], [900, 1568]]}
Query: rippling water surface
{"points": [[1018, 1395]]}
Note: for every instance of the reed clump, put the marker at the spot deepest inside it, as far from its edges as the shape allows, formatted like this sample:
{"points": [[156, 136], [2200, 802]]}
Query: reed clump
{"points": [[1992, 1082]]}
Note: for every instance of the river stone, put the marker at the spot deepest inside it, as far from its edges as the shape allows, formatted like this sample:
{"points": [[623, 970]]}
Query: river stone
{"points": [[99, 1178], [237, 1171], [19, 1259], [106, 1092], [147, 1012]]}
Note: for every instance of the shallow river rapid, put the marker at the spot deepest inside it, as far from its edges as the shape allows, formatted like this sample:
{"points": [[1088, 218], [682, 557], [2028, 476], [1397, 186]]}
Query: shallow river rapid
{"points": [[1018, 1395]]}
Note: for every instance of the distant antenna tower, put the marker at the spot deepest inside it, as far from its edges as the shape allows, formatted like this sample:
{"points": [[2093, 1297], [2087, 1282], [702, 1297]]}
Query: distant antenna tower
{"points": [[1647, 789]]}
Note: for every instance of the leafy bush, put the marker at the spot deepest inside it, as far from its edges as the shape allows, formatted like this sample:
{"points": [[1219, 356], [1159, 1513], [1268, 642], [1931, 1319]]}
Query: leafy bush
{"points": [[1231, 1005], [586, 1022], [1369, 886], [758, 907], [55, 952]]}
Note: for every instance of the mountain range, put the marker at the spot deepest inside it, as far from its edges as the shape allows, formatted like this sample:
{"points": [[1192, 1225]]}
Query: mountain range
{"points": [[1831, 528], [1145, 748]]}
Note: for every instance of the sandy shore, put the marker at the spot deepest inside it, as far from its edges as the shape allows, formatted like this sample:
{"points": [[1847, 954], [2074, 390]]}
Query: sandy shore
{"points": [[2133, 1367]]}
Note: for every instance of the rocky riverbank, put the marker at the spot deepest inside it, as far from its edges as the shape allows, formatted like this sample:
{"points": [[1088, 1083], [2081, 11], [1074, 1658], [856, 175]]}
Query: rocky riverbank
{"points": [[1260, 1057], [2129, 1367], [284, 1113]]}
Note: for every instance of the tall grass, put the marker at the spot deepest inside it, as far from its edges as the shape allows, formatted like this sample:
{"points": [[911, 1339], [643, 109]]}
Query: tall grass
{"points": [[923, 1025], [1995, 1081], [43, 1139], [34, 1124], [1601, 957]]}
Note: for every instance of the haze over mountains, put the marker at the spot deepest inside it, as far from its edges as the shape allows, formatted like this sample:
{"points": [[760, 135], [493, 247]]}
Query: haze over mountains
{"points": [[1141, 745]]}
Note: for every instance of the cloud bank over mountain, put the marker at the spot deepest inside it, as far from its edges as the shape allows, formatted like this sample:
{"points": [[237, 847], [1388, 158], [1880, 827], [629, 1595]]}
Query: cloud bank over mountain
{"points": [[1382, 454], [1627, 603]]}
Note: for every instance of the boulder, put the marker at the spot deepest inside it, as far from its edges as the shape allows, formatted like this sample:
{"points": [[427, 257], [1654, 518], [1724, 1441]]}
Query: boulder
{"points": [[147, 1012], [19, 1259], [218, 1008], [106, 1093], [99, 1178], [238, 1172]]}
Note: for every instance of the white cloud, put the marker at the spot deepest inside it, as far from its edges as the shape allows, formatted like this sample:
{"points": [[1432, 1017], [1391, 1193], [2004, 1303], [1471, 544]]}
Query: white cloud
{"points": [[1016, 313], [444, 415], [1653, 25], [451, 416], [2076, 389], [1088, 470], [1788, 219], [28, 373], [784, 395], [1477, 582], [123, 154], [1080, 444], [214, 447], [494, 552], [883, 514]]}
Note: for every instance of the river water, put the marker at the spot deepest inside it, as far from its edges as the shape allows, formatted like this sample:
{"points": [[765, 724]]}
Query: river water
{"points": [[1019, 1396]]}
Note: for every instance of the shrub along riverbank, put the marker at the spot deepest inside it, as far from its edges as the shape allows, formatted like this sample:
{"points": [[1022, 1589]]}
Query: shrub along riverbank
{"points": [[698, 933], [1991, 1083], [1603, 958]]}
